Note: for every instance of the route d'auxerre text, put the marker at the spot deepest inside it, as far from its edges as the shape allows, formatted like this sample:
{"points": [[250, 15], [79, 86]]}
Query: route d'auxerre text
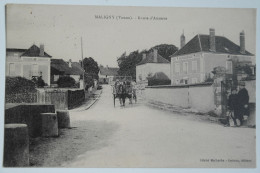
{"points": [[118, 17]]}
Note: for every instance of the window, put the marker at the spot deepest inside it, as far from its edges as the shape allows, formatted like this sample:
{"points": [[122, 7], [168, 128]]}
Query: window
{"points": [[229, 67], [194, 66], [12, 69], [185, 67], [177, 68]]}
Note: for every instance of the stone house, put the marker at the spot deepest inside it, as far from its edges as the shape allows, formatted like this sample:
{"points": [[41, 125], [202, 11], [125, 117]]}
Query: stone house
{"points": [[151, 64], [61, 68], [194, 62], [28, 63], [106, 74]]}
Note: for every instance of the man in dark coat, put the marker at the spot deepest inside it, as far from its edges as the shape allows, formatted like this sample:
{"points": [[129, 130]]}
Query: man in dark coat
{"points": [[243, 99]]}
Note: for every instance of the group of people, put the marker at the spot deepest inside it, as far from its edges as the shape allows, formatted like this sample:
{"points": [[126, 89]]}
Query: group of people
{"points": [[238, 105], [123, 90]]}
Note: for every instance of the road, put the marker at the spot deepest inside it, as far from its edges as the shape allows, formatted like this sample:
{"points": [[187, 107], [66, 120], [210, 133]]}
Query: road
{"points": [[139, 136]]}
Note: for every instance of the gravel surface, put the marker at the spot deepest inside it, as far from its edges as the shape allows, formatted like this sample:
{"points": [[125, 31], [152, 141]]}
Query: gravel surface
{"points": [[141, 136]]}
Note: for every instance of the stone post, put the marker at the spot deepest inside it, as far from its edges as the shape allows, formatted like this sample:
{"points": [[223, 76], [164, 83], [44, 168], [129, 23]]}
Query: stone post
{"points": [[16, 145], [49, 124], [63, 119]]}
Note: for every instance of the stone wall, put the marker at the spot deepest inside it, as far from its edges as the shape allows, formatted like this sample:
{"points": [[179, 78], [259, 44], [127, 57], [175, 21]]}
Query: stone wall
{"points": [[27, 114], [198, 96]]}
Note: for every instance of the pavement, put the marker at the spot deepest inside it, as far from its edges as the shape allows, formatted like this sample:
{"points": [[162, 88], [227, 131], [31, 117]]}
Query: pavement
{"points": [[139, 136]]}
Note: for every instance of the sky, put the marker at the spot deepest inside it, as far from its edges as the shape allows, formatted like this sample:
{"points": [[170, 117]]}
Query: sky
{"points": [[61, 27]]}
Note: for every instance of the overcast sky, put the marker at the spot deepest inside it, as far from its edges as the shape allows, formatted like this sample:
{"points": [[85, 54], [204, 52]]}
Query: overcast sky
{"points": [[60, 28]]}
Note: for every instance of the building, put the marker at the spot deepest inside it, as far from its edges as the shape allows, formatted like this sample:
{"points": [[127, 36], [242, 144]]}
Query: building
{"points": [[28, 63], [61, 68], [106, 74], [151, 64], [194, 62]]}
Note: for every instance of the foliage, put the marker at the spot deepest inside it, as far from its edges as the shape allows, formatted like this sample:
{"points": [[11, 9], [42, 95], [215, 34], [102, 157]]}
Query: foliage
{"points": [[127, 63], [91, 68], [127, 67], [152, 81], [165, 50], [39, 82], [17, 85], [66, 82]]}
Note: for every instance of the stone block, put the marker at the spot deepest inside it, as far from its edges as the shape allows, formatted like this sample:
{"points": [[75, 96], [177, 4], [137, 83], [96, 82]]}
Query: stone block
{"points": [[16, 145], [63, 118], [49, 124]]}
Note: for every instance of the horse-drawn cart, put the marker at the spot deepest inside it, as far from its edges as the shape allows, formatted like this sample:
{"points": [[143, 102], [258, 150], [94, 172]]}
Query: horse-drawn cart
{"points": [[123, 87]]}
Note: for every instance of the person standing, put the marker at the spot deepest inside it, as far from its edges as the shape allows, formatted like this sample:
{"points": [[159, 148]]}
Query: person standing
{"points": [[243, 100], [233, 106]]}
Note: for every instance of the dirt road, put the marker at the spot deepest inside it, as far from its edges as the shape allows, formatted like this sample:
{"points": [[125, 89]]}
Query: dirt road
{"points": [[140, 136]]}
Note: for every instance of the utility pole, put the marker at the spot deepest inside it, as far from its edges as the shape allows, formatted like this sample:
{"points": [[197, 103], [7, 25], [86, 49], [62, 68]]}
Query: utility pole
{"points": [[82, 65]]}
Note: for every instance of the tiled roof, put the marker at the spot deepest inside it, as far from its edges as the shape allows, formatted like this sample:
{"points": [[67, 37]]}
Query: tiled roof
{"points": [[150, 59], [200, 43], [109, 71], [60, 67], [34, 51]]}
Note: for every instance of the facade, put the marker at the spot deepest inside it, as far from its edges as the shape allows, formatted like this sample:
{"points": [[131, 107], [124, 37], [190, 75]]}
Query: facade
{"points": [[151, 64], [194, 62], [28, 63], [61, 68], [107, 74]]}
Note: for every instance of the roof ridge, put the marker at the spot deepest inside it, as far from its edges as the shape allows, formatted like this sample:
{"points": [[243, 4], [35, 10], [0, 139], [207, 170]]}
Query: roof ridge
{"points": [[199, 42]]}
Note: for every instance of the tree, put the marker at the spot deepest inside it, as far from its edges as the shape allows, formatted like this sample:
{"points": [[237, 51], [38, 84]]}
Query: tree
{"points": [[127, 63], [91, 68], [127, 67], [165, 50], [66, 82]]}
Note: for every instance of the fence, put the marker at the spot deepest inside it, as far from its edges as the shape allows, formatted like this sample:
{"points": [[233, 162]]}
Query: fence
{"points": [[62, 99]]}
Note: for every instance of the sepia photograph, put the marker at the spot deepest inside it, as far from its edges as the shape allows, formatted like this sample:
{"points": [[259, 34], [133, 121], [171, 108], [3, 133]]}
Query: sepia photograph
{"points": [[90, 86]]}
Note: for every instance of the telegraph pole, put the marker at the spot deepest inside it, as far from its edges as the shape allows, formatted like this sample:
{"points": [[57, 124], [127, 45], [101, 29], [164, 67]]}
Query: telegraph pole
{"points": [[82, 65]]}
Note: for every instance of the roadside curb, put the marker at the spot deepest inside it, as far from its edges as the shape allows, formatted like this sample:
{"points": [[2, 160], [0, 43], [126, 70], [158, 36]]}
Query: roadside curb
{"points": [[94, 101], [176, 109]]}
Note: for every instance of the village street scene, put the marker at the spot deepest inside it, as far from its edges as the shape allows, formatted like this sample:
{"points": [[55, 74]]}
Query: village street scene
{"points": [[117, 90]]}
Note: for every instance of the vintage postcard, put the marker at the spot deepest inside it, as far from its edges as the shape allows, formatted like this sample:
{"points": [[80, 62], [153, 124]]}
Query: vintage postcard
{"points": [[129, 87]]}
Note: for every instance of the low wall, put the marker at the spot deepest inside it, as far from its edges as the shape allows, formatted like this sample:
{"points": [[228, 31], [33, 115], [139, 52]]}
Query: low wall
{"points": [[62, 98], [199, 97], [27, 114], [175, 96], [75, 98]]}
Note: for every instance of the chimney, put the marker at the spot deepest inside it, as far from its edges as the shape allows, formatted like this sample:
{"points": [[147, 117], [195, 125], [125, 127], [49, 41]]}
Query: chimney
{"points": [[155, 52], [242, 42], [144, 56], [182, 40], [41, 50], [70, 63], [212, 42]]}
